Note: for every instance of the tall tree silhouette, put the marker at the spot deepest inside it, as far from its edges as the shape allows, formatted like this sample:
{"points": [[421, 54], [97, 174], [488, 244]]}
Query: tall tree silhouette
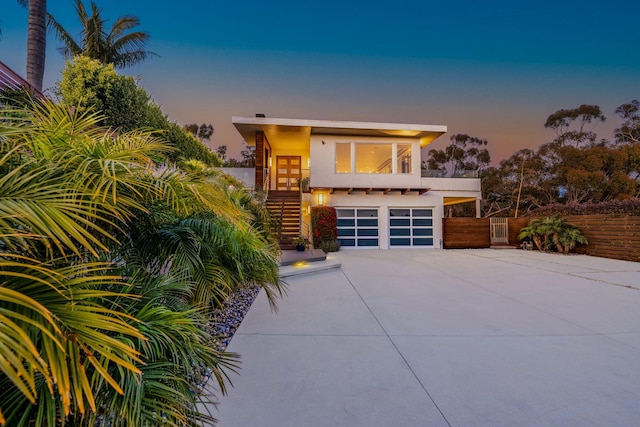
{"points": [[118, 45]]}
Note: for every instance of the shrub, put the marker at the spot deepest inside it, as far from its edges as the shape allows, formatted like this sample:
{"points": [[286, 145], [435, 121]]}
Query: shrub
{"points": [[324, 224], [553, 233], [332, 246], [88, 85]]}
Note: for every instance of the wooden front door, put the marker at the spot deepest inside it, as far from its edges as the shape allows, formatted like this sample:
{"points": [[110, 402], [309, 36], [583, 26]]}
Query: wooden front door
{"points": [[288, 173]]}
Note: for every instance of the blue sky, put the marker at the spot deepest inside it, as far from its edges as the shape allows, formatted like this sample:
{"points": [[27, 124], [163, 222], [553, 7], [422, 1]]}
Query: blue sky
{"points": [[492, 69]]}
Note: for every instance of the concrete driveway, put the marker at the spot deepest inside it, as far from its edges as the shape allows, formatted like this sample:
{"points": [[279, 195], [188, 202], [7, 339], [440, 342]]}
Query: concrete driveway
{"points": [[444, 338]]}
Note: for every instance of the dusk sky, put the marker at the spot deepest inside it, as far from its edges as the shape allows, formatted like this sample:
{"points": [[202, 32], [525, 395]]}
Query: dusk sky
{"points": [[493, 69]]}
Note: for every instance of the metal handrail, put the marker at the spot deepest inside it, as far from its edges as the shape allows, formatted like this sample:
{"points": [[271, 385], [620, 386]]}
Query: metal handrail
{"points": [[265, 183], [305, 229]]}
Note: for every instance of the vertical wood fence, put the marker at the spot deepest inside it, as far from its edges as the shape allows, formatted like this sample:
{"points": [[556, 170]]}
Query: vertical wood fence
{"points": [[609, 236]]}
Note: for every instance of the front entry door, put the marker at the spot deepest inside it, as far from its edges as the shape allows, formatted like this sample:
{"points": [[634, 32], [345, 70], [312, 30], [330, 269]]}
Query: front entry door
{"points": [[288, 173]]}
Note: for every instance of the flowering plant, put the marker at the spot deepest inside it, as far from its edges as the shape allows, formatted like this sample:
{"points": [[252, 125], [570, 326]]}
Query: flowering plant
{"points": [[324, 224]]}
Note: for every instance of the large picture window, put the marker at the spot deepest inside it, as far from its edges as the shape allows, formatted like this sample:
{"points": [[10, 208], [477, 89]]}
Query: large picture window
{"points": [[343, 157], [373, 158], [404, 158]]}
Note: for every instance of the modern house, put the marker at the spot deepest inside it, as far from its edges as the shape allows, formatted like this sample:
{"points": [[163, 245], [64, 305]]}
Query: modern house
{"points": [[370, 172]]}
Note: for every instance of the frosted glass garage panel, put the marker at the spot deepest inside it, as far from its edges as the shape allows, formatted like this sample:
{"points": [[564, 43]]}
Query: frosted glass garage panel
{"points": [[409, 227], [358, 227]]}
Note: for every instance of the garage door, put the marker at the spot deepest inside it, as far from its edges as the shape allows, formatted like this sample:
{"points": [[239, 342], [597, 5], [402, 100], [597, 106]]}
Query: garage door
{"points": [[410, 227], [357, 227]]}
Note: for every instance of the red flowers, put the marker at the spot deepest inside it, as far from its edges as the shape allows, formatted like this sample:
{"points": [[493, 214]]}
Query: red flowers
{"points": [[324, 224]]}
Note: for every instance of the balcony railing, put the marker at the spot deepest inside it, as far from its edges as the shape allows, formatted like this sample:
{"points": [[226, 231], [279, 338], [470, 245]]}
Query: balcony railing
{"points": [[443, 173]]}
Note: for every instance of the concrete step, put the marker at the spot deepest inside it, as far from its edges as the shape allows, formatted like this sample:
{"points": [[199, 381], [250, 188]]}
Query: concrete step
{"points": [[309, 268]]}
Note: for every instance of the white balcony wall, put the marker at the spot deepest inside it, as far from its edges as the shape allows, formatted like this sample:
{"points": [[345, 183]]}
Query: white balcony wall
{"points": [[323, 161], [245, 175], [452, 184]]}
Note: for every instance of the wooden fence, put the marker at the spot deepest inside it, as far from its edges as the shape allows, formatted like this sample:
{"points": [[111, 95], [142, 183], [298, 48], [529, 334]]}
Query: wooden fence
{"points": [[609, 236], [474, 233]]}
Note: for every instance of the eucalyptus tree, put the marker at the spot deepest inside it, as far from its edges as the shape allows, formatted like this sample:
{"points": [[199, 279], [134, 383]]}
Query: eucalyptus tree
{"points": [[464, 153], [118, 45]]}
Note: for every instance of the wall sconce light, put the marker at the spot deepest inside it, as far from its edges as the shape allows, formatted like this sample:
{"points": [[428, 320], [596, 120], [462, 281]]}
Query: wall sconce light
{"points": [[270, 161], [321, 199]]}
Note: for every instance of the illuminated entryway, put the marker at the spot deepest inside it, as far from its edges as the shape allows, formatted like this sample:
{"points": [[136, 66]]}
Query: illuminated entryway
{"points": [[288, 173], [358, 227], [410, 227]]}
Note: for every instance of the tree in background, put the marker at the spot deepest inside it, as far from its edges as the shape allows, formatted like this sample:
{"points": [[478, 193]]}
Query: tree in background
{"points": [[248, 156], [88, 84], [570, 126], [202, 132], [574, 168], [221, 151], [629, 130], [118, 46], [465, 153]]}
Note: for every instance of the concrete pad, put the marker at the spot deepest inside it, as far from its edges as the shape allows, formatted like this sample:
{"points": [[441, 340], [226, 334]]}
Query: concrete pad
{"points": [[323, 304], [435, 337], [533, 381], [324, 381]]}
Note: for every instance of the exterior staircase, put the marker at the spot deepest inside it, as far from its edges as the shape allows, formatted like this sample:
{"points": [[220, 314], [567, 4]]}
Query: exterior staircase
{"points": [[284, 207]]}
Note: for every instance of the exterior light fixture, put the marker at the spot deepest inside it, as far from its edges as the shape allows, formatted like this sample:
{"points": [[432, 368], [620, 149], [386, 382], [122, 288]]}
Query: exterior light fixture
{"points": [[270, 161], [321, 199]]}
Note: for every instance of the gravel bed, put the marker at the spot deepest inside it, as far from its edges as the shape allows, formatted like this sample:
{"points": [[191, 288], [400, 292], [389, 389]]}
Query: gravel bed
{"points": [[225, 321]]}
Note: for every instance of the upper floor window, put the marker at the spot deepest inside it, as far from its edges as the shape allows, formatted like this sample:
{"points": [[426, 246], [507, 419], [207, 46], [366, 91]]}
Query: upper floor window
{"points": [[343, 157], [373, 158], [404, 158]]}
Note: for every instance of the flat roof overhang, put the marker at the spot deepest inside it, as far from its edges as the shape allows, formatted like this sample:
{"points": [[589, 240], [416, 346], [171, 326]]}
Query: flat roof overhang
{"points": [[248, 126]]}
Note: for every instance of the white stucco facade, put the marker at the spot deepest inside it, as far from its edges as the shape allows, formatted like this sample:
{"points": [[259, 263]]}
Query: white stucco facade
{"points": [[370, 172]]}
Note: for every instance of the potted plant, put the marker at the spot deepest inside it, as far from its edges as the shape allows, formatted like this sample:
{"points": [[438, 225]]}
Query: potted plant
{"points": [[300, 243]]}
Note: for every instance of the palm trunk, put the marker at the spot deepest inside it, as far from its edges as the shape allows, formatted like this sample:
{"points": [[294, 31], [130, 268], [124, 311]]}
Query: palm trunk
{"points": [[556, 241], [538, 242], [36, 42]]}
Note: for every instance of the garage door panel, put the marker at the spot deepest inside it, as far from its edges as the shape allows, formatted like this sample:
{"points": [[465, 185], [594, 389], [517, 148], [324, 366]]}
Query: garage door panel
{"points": [[413, 228], [358, 227]]}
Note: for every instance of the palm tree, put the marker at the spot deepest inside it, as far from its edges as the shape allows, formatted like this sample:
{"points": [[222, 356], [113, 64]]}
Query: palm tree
{"points": [[116, 46], [36, 41], [534, 232], [109, 265]]}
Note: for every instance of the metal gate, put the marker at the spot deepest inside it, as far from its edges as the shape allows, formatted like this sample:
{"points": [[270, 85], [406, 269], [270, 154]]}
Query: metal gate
{"points": [[499, 230]]}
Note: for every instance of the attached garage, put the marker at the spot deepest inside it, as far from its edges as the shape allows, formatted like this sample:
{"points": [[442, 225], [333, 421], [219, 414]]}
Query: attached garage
{"points": [[410, 227], [358, 227]]}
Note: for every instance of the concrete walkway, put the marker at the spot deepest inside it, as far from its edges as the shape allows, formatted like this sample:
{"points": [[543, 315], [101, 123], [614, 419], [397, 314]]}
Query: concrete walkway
{"points": [[444, 338]]}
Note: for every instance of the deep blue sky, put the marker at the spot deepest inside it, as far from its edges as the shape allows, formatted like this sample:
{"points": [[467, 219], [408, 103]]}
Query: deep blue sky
{"points": [[492, 69]]}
